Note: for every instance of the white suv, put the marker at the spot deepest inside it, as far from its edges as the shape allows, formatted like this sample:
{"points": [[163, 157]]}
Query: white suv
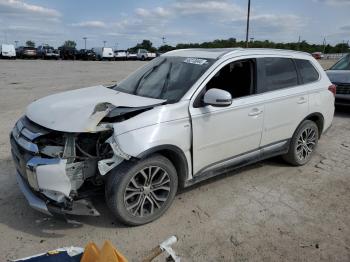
{"points": [[184, 117]]}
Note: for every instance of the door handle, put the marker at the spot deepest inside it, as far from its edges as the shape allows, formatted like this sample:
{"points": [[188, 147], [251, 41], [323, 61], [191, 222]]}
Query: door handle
{"points": [[255, 112], [301, 100]]}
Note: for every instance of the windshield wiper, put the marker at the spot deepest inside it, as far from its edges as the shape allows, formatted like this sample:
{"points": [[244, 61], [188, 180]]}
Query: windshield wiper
{"points": [[165, 86], [145, 75]]}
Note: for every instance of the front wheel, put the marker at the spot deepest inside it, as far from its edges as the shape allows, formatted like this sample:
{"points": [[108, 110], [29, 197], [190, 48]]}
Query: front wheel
{"points": [[140, 192], [303, 144]]}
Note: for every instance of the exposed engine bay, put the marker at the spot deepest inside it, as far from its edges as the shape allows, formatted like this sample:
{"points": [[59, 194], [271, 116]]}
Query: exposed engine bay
{"points": [[66, 168]]}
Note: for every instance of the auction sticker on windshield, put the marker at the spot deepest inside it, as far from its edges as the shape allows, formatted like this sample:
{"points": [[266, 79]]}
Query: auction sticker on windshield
{"points": [[196, 61]]}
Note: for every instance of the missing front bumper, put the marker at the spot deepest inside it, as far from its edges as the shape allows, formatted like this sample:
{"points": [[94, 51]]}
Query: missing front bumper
{"points": [[34, 201], [80, 207]]}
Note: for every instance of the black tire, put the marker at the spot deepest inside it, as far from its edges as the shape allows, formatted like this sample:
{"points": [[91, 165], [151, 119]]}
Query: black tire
{"points": [[303, 144], [127, 177]]}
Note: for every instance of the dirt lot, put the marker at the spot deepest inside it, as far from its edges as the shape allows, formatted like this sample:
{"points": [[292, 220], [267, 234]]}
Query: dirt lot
{"points": [[267, 212]]}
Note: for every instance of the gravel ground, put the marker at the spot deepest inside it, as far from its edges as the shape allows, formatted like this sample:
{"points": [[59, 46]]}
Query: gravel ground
{"points": [[266, 212]]}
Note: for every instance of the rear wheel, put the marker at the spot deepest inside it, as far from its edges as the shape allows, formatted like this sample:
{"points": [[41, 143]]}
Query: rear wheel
{"points": [[140, 192], [303, 144]]}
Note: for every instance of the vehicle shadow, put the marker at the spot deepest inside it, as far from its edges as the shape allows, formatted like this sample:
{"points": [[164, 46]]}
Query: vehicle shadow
{"points": [[275, 161], [18, 215], [342, 111]]}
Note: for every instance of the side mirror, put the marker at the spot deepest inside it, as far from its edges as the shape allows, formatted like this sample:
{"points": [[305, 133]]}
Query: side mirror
{"points": [[217, 97]]}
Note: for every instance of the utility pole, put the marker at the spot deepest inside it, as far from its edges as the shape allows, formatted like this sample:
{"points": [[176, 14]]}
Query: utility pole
{"points": [[299, 39], [163, 39], [248, 18], [16, 42], [324, 45], [85, 42], [104, 43]]}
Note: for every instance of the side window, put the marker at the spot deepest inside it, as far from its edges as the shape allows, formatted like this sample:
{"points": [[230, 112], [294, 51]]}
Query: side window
{"points": [[307, 71], [237, 78], [276, 73]]}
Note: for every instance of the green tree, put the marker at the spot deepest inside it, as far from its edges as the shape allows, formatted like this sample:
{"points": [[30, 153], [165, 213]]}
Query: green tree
{"points": [[300, 46], [30, 43], [341, 48], [165, 48], [145, 44], [70, 44]]}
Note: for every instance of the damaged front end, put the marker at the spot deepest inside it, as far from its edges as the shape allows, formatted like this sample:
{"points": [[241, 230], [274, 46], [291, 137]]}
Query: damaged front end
{"points": [[65, 145], [58, 171]]}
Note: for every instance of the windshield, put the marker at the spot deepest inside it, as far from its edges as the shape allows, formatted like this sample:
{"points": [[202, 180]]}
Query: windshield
{"points": [[165, 77], [342, 64]]}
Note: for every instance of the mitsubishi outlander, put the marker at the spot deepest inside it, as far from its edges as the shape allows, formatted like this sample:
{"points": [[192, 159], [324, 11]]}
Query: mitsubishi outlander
{"points": [[184, 117]]}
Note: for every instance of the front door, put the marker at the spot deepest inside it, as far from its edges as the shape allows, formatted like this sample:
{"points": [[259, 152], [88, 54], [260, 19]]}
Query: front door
{"points": [[221, 133]]}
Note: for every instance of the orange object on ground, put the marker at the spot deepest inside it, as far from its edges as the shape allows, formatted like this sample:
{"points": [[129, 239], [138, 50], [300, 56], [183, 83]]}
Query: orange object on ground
{"points": [[108, 253], [91, 253]]}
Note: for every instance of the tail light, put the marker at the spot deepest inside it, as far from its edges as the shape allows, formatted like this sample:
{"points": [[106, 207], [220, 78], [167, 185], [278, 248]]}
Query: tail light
{"points": [[333, 89]]}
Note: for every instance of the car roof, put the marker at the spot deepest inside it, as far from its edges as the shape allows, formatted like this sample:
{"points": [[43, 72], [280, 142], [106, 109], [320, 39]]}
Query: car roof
{"points": [[217, 53]]}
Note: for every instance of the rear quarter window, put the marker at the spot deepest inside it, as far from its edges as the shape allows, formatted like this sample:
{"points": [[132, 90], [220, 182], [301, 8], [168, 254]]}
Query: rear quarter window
{"points": [[276, 73], [307, 71]]}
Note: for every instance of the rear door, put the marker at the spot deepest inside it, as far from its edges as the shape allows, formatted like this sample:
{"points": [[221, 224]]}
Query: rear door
{"points": [[286, 99]]}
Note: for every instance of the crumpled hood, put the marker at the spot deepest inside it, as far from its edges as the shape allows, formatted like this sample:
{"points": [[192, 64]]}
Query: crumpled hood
{"points": [[81, 110], [339, 76]]}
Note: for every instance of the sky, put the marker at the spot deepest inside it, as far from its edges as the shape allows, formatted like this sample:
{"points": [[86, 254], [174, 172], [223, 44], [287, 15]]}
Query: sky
{"points": [[125, 23]]}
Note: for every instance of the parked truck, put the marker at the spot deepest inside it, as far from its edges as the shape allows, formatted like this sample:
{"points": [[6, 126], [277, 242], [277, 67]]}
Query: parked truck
{"points": [[104, 53], [24, 52], [143, 54], [7, 51], [47, 52], [67, 53]]}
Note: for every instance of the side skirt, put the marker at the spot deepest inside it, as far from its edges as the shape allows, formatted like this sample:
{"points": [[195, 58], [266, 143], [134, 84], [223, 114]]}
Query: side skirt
{"points": [[241, 160]]}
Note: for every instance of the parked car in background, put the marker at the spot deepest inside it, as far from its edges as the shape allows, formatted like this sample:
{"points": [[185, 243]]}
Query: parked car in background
{"points": [[182, 118], [26, 52], [67, 53], [104, 53], [317, 55], [339, 74], [86, 54], [132, 56], [47, 52], [143, 54], [120, 54], [7, 51]]}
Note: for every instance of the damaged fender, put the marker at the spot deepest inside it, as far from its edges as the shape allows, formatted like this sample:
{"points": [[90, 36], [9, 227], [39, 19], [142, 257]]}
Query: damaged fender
{"points": [[106, 165], [155, 128]]}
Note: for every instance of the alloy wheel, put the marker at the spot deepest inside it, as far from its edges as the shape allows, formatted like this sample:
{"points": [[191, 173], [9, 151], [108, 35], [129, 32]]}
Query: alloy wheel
{"points": [[147, 191], [306, 143]]}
